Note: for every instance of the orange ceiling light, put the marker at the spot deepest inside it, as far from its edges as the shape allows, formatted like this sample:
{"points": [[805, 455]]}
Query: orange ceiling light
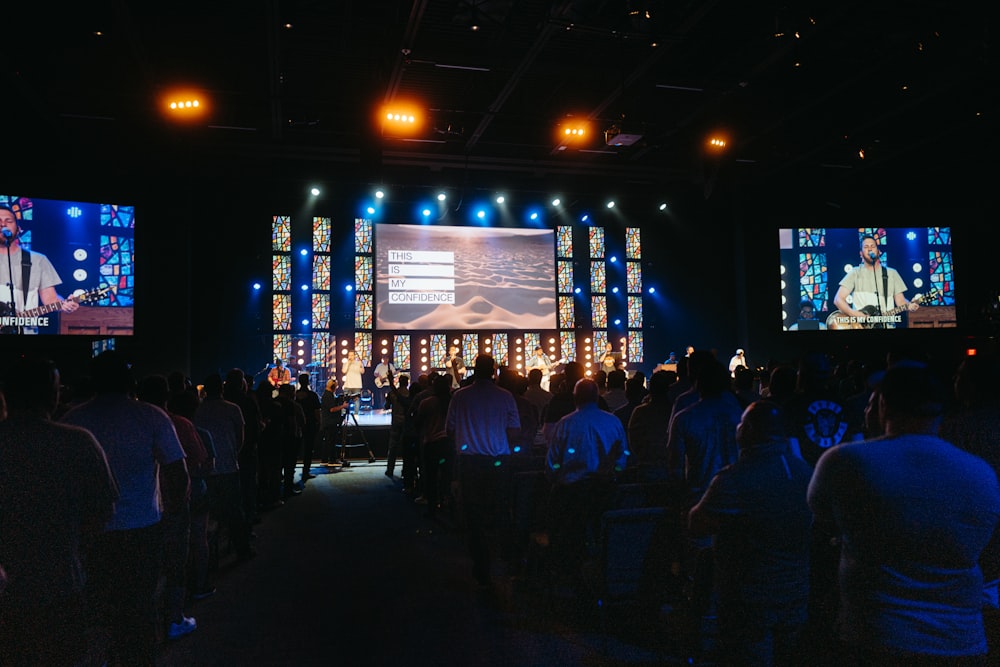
{"points": [[401, 119], [185, 105], [573, 132]]}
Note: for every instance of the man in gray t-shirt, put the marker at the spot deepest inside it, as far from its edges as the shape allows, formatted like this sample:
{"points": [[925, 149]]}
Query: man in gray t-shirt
{"points": [[42, 277]]}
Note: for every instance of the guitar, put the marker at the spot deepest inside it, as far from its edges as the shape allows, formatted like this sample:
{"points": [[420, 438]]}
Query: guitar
{"points": [[383, 380], [838, 320], [84, 297]]}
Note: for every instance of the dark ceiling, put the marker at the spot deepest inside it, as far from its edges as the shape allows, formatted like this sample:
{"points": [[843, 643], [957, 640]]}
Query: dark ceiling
{"points": [[801, 88]]}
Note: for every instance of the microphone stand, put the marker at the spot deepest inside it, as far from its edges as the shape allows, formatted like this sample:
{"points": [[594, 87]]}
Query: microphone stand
{"points": [[878, 299], [12, 304]]}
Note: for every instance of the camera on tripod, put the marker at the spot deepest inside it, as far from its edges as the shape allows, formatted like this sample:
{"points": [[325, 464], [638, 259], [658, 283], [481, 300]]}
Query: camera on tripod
{"points": [[352, 397]]}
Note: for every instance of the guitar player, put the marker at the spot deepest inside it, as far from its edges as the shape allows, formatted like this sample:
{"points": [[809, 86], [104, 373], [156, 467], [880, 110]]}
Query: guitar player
{"points": [[34, 279], [872, 284], [382, 371]]}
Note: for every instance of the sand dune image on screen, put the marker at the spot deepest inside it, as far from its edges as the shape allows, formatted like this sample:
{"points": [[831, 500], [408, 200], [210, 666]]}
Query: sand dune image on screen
{"points": [[464, 278]]}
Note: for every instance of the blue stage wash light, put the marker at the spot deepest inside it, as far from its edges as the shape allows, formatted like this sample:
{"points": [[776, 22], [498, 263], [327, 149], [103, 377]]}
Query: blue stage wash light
{"points": [[74, 211], [481, 214], [517, 448], [614, 290], [584, 218], [533, 216], [304, 288], [911, 236], [303, 252], [571, 450], [256, 286], [426, 212], [305, 323], [617, 322], [577, 290], [652, 290], [349, 288], [464, 447], [371, 210], [613, 259]]}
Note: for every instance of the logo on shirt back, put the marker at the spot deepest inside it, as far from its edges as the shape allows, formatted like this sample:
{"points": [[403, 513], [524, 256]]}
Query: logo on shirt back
{"points": [[825, 426]]}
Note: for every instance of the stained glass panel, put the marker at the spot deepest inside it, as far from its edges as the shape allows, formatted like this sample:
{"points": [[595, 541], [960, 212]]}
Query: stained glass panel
{"points": [[438, 350], [599, 311], [813, 278], [598, 277], [363, 346], [363, 273], [878, 233], [401, 352], [281, 273], [567, 312], [812, 237], [117, 270], [122, 217], [567, 345], [321, 272], [600, 340], [362, 235], [281, 312], [633, 277], [531, 341], [633, 243], [321, 234], [500, 350], [635, 312], [565, 277], [635, 351], [564, 241], [942, 277], [363, 311], [939, 235], [596, 242], [322, 345], [282, 346], [281, 234], [470, 348], [320, 311]]}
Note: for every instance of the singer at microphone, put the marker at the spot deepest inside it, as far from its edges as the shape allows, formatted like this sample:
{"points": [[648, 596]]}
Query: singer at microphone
{"points": [[42, 278], [874, 290]]}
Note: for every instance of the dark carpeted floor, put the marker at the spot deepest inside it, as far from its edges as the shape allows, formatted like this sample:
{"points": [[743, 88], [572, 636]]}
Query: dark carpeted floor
{"points": [[351, 572]]}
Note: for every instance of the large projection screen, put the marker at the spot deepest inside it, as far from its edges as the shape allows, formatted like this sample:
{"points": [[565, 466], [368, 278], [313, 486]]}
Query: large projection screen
{"points": [[469, 278]]}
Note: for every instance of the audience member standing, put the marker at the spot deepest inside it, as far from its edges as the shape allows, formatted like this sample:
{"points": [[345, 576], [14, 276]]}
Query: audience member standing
{"points": [[236, 390], [587, 450], [756, 509], [482, 419], [437, 448], [177, 523], [648, 426], [56, 492], [308, 400], [914, 513], [224, 420], [147, 461], [702, 437]]}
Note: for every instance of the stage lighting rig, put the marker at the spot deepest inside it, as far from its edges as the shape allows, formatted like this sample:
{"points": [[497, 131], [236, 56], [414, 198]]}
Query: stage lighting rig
{"points": [[621, 135]]}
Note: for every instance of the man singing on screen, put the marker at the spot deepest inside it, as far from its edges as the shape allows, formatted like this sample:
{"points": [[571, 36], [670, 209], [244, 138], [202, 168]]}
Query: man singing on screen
{"points": [[16, 296], [875, 290]]}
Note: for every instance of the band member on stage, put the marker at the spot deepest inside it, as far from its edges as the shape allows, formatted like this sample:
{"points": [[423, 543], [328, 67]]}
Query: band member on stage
{"points": [[540, 361], [611, 360], [352, 368], [455, 366], [382, 371], [42, 276], [279, 375], [871, 284]]}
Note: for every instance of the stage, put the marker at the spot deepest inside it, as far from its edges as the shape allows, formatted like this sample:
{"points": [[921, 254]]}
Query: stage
{"points": [[372, 426]]}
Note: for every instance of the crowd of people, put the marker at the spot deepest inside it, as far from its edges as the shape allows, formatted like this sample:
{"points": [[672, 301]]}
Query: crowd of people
{"points": [[827, 513]]}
